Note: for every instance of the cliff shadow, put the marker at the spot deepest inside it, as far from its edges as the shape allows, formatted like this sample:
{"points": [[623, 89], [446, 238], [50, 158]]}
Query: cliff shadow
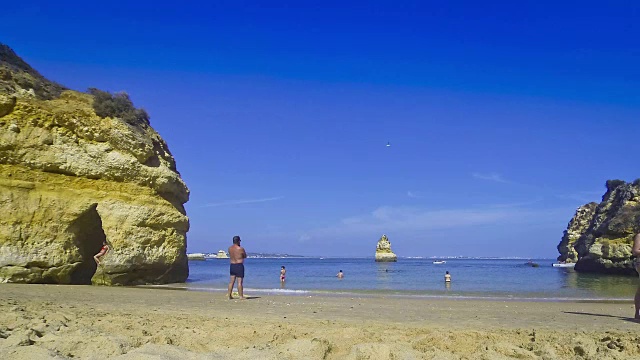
{"points": [[89, 236]]}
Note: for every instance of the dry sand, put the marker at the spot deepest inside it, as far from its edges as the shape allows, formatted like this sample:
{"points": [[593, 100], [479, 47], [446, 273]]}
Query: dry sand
{"points": [[89, 322]]}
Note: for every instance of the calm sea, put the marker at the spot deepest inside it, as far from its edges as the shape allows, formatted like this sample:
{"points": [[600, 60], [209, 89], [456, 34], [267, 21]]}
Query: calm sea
{"points": [[471, 278]]}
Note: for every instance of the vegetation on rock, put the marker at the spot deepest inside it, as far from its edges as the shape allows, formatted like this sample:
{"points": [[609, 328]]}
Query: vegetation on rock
{"points": [[612, 184], [117, 105]]}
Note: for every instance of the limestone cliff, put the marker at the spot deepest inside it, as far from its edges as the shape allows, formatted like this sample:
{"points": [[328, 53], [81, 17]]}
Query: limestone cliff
{"points": [[600, 236], [383, 250], [70, 179]]}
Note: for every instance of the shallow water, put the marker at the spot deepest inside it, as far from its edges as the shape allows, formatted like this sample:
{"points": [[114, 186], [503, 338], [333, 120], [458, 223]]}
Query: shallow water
{"points": [[471, 278]]}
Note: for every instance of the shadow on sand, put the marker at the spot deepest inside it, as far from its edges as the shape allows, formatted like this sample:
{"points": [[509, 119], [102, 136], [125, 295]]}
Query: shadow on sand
{"points": [[623, 318], [246, 298]]}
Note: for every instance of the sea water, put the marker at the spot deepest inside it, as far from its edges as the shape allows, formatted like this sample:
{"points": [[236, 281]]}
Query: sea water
{"points": [[415, 277]]}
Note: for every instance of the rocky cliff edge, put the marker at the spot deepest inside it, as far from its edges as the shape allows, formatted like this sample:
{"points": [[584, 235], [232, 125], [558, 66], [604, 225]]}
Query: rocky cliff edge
{"points": [[599, 237], [70, 179]]}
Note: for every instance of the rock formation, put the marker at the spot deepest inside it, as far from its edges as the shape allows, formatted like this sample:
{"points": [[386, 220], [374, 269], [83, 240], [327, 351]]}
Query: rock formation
{"points": [[599, 237], [70, 179], [383, 250]]}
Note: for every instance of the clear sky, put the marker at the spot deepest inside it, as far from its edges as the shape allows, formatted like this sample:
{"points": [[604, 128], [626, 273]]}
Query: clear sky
{"points": [[502, 116]]}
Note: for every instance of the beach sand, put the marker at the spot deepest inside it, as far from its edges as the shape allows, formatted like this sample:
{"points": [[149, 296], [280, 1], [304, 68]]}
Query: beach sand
{"points": [[92, 322]]}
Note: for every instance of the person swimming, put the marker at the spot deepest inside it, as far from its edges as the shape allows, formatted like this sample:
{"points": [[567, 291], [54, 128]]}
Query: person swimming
{"points": [[283, 273]]}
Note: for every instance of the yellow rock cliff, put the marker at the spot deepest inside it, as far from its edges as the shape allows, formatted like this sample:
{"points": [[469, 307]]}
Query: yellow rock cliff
{"points": [[70, 179]]}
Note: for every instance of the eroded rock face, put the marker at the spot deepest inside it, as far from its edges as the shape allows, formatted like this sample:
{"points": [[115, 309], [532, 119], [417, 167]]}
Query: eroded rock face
{"points": [[576, 228], [600, 236], [70, 179], [7, 103], [383, 250]]}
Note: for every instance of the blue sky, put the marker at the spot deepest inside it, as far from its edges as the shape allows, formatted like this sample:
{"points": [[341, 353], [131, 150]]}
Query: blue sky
{"points": [[502, 117]]}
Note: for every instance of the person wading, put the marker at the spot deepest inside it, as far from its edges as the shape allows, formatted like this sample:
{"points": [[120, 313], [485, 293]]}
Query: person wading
{"points": [[236, 267]]}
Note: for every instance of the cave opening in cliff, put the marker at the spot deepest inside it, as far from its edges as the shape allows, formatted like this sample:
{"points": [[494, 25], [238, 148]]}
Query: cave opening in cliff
{"points": [[89, 235]]}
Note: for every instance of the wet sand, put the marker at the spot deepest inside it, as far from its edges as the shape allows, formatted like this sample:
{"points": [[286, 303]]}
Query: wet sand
{"points": [[92, 322]]}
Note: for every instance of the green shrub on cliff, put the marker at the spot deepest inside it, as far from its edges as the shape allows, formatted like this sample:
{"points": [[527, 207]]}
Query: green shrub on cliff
{"points": [[117, 105], [612, 184]]}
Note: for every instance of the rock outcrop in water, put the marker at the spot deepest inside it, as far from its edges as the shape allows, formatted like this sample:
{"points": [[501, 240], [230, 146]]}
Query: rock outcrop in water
{"points": [[383, 250], [70, 179], [599, 237]]}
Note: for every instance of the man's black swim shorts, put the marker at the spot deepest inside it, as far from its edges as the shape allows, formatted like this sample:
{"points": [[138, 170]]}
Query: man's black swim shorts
{"points": [[237, 270]]}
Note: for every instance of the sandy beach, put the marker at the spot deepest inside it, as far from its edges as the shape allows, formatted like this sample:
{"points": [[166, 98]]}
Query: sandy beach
{"points": [[91, 322]]}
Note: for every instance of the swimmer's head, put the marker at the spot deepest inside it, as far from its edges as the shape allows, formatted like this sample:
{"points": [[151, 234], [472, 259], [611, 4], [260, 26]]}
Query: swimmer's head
{"points": [[282, 267]]}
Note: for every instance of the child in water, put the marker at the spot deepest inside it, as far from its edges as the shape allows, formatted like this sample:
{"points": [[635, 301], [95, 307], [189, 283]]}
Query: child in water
{"points": [[283, 272]]}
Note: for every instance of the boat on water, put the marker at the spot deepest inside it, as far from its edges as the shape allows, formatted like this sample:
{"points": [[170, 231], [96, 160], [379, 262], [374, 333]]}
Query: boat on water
{"points": [[438, 262], [195, 256], [221, 254], [532, 264], [564, 265]]}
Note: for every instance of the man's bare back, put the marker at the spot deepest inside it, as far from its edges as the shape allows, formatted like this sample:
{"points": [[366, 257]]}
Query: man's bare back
{"points": [[237, 254]]}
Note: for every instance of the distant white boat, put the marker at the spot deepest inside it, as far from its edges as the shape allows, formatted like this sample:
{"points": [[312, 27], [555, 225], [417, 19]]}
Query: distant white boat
{"points": [[195, 256], [565, 265], [439, 262]]}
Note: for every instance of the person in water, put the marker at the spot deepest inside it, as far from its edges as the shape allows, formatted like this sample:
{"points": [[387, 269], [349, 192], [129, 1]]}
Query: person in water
{"points": [[103, 251], [447, 277], [236, 267], [283, 273], [340, 274], [636, 263]]}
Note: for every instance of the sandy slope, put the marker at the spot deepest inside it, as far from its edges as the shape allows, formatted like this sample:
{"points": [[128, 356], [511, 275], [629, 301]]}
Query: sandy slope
{"points": [[88, 322]]}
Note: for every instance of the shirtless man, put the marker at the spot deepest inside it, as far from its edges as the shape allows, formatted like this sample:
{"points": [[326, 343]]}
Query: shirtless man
{"points": [[236, 269], [636, 252]]}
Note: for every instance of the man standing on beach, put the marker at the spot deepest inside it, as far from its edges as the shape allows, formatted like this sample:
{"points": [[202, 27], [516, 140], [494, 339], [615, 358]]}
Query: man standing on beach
{"points": [[636, 252], [236, 269]]}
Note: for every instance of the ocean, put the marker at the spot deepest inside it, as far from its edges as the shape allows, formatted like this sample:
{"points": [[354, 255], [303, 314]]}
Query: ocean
{"points": [[415, 277]]}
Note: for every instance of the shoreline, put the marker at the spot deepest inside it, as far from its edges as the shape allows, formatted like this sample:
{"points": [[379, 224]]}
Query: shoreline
{"points": [[392, 294], [97, 322]]}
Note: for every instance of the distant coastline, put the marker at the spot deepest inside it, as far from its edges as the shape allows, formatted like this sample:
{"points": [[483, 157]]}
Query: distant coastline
{"points": [[213, 255], [293, 256], [274, 256]]}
